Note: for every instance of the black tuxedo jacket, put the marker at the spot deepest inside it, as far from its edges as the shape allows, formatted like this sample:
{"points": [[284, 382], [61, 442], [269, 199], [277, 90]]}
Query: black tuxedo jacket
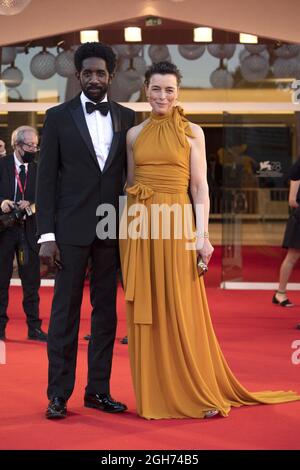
{"points": [[7, 191], [70, 184]]}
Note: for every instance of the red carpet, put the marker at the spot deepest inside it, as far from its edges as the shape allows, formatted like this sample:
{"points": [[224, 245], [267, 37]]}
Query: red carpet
{"points": [[257, 264], [256, 338], [260, 264]]}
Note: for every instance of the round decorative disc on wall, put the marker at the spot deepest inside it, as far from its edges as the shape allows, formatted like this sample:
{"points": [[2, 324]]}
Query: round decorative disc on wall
{"points": [[12, 7]]}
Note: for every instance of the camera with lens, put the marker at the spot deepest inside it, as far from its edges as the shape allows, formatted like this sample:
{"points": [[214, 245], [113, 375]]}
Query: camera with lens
{"points": [[15, 216]]}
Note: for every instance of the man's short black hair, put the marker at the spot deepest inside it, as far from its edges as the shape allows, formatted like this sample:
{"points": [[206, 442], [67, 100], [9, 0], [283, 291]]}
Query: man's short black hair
{"points": [[163, 68], [95, 49]]}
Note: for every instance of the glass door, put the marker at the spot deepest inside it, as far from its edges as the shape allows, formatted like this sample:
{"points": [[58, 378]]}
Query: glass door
{"points": [[255, 158]]}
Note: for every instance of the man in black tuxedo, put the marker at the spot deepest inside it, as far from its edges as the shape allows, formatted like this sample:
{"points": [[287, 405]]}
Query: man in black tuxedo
{"points": [[82, 164], [17, 190]]}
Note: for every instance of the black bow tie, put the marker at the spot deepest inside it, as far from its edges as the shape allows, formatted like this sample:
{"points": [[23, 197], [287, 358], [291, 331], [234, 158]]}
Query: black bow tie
{"points": [[103, 107]]}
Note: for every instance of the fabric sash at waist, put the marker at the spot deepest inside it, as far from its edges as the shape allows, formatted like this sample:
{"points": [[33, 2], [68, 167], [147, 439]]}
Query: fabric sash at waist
{"points": [[137, 279], [162, 179]]}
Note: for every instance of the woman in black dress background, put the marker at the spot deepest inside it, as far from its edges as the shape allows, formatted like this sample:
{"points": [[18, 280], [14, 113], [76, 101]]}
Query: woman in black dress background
{"points": [[291, 240]]}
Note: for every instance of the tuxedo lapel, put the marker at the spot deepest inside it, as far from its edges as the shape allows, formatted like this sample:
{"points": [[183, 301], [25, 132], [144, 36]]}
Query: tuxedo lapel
{"points": [[78, 116], [116, 122]]}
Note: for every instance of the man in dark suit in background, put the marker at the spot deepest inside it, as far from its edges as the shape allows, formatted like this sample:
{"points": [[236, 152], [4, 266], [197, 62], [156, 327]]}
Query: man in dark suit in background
{"points": [[17, 191], [82, 164]]}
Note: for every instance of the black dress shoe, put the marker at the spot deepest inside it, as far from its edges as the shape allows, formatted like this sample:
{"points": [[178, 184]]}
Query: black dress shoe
{"points": [[37, 335], [124, 340], [2, 336], [87, 337], [57, 408], [104, 402]]}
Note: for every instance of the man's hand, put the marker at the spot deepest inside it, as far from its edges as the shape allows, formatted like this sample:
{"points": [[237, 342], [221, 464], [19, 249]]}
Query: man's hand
{"points": [[7, 205], [293, 203], [23, 204], [49, 254]]}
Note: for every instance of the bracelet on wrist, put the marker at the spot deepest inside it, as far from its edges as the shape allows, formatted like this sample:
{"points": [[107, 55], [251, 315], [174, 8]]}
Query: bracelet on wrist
{"points": [[203, 235]]}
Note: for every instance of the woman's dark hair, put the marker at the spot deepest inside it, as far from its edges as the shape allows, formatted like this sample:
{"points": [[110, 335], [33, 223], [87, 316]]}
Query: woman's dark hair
{"points": [[95, 49], [163, 68]]}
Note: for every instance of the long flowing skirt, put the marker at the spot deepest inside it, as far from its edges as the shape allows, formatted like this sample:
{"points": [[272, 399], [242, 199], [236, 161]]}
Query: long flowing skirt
{"points": [[177, 365]]}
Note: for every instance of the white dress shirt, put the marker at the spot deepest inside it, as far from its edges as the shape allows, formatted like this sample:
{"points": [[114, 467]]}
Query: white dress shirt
{"points": [[18, 167], [101, 131]]}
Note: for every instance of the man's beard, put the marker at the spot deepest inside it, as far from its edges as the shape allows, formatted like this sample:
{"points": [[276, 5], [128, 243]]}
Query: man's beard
{"points": [[95, 97]]}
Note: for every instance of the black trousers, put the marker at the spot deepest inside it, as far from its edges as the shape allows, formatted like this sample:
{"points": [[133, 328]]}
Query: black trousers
{"points": [[29, 275], [65, 318]]}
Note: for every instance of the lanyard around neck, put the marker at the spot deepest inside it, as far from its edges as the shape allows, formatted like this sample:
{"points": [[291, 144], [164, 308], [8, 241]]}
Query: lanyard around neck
{"points": [[21, 188]]}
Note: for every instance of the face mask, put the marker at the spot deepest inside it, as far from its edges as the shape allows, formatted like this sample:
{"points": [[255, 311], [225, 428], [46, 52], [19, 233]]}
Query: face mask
{"points": [[29, 157]]}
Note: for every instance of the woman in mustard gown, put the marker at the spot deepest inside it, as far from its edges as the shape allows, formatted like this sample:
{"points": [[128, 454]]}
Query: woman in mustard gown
{"points": [[178, 368]]}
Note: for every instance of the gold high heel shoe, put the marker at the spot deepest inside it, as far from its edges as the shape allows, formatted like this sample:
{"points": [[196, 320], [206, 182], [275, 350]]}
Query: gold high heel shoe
{"points": [[211, 413]]}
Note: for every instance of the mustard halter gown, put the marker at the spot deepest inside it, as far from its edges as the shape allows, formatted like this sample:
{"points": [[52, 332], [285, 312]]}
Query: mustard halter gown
{"points": [[177, 365]]}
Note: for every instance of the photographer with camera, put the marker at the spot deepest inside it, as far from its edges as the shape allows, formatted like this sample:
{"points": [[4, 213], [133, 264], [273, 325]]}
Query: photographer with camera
{"points": [[18, 229]]}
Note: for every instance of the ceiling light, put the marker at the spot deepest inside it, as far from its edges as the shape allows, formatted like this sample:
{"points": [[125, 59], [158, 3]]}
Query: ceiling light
{"points": [[248, 38], [202, 34], [89, 36], [133, 34]]}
